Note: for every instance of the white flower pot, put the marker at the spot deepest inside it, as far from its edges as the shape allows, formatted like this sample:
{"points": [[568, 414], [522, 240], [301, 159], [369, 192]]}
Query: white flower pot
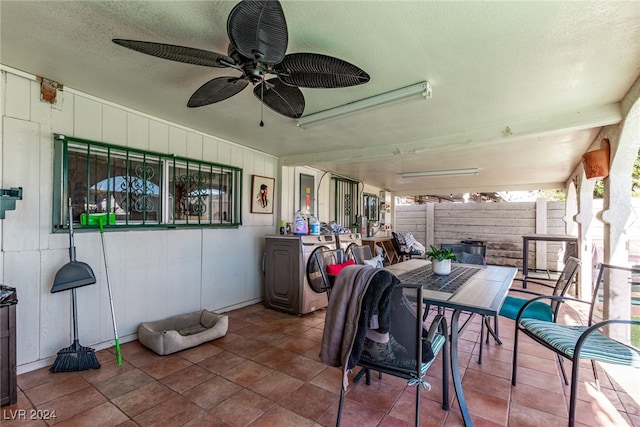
{"points": [[442, 268]]}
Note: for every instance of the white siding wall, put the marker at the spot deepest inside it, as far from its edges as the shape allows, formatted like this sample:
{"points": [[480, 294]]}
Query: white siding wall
{"points": [[153, 273]]}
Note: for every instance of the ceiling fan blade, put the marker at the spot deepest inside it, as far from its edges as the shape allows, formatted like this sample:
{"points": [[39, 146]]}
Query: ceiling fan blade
{"points": [[188, 55], [319, 71], [216, 90], [281, 98], [258, 30]]}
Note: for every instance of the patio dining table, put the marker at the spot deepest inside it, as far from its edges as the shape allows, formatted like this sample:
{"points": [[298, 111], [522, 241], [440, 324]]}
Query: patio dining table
{"points": [[473, 289]]}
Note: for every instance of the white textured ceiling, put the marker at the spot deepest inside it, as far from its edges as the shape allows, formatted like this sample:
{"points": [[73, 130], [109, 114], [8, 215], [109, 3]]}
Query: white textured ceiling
{"points": [[520, 89]]}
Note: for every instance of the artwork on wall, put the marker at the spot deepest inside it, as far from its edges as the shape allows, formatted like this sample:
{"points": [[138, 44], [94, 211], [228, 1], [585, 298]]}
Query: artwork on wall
{"points": [[262, 194]]}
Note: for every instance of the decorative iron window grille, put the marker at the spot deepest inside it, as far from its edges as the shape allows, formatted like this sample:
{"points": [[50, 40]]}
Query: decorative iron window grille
{"points": [[346, 202], [138, 188]]}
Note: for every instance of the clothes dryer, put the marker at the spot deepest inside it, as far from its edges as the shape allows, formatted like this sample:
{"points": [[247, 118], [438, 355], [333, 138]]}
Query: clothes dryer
{"points": [[293, 282], [347, 240]]}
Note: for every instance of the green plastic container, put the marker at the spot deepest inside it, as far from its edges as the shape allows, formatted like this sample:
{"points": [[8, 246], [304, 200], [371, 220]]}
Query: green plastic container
{"points": [[97, 218]]}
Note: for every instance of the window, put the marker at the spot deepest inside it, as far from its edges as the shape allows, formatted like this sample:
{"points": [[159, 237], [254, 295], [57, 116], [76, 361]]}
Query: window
{"points": [[137, 188], [370, 204]]}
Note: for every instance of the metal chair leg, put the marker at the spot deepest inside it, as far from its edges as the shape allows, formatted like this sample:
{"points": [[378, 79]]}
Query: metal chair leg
{"points": [[340, 406]]}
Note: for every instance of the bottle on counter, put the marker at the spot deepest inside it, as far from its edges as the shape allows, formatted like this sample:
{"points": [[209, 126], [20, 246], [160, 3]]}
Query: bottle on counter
{"points": [[282, 229], [314, 225], [300, 226]]}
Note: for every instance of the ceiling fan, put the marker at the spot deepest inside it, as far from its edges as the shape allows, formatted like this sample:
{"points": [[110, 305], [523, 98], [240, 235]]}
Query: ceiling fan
{"points": [[258, 41]]}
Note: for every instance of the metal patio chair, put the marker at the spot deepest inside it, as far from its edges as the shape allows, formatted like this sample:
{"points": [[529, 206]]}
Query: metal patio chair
{"points": [[611, 334]]}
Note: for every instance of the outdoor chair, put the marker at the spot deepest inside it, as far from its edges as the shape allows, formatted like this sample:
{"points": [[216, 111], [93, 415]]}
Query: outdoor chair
{"points": [[329, 264], [468, 253], [397, 343], [546, 310], [473, 254], [402, 248], [361, 253], [610, 334]]}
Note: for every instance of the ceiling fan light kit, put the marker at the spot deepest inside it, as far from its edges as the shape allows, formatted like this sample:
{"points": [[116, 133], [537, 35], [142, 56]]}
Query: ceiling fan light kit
{"points": [[423, 89], [258, 37], [446, 172]]}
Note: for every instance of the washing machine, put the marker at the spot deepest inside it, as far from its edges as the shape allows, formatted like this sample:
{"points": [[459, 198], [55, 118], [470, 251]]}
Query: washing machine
{"points": [[293, 282], [347, 240]]}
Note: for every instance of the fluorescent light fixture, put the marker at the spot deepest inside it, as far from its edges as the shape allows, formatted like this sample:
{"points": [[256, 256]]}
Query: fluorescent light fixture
{"points": [[423, 89], [470, 171]]}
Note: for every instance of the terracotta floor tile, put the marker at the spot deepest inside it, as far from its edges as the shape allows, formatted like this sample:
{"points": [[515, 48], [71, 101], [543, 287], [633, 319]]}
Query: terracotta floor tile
{"points": [[329, 379], [487, 383], [206, 419], [242, 408], [247, 373], [165, 366], [281, 417], [186, 378], [526, 416], [542, 380], [297, 345], [404, 409], [295, 329], [108, 369], [199, 353], [275, 357], [267, 372], [302, 368], [309, 401], [377, 395], [143, 398], [104, 415], [174, 412], [353, 414], [313, 334], [211, 392], [488, 407], [68, 383], [221, 362], [72, 404], [276, 386], [533, 397], [123, 383], [38, 377]]}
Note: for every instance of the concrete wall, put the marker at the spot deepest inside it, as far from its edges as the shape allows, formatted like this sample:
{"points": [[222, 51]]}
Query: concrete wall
{"points": [[153, 273], [499, 225], [502, 225]]}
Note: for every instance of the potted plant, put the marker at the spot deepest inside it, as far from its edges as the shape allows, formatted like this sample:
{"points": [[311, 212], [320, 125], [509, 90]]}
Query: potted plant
{"points": [[441, 260]]}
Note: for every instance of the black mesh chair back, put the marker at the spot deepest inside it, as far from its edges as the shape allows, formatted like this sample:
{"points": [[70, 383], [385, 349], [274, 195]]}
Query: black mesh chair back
{"points": [[412, 344], [361, 253], [325, 258], [468, 253]]}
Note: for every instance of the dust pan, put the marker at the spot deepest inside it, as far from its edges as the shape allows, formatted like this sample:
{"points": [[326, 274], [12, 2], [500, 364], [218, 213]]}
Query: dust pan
{"points": [[73, 275]]}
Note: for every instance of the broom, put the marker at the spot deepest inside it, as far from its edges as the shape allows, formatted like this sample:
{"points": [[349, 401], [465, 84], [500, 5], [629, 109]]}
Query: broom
{"points": [[102, 220], [75, 357]]}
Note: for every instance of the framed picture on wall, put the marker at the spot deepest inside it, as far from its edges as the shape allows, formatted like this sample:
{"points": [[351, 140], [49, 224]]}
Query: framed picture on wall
{"points": [[262, 194]]}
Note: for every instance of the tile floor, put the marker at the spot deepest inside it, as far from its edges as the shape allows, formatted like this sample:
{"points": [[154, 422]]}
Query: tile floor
{"points": [[266, 372]]}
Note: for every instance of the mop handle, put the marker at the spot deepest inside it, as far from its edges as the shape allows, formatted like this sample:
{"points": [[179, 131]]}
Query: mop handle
{"points": [[113, 313]]}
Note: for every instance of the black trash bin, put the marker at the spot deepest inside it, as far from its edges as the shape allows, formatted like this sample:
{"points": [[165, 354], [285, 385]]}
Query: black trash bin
{"points": [[8, 379]]}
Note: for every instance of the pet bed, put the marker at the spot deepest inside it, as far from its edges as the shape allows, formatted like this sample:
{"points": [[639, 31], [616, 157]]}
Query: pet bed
{"points": [[181, 332]]}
